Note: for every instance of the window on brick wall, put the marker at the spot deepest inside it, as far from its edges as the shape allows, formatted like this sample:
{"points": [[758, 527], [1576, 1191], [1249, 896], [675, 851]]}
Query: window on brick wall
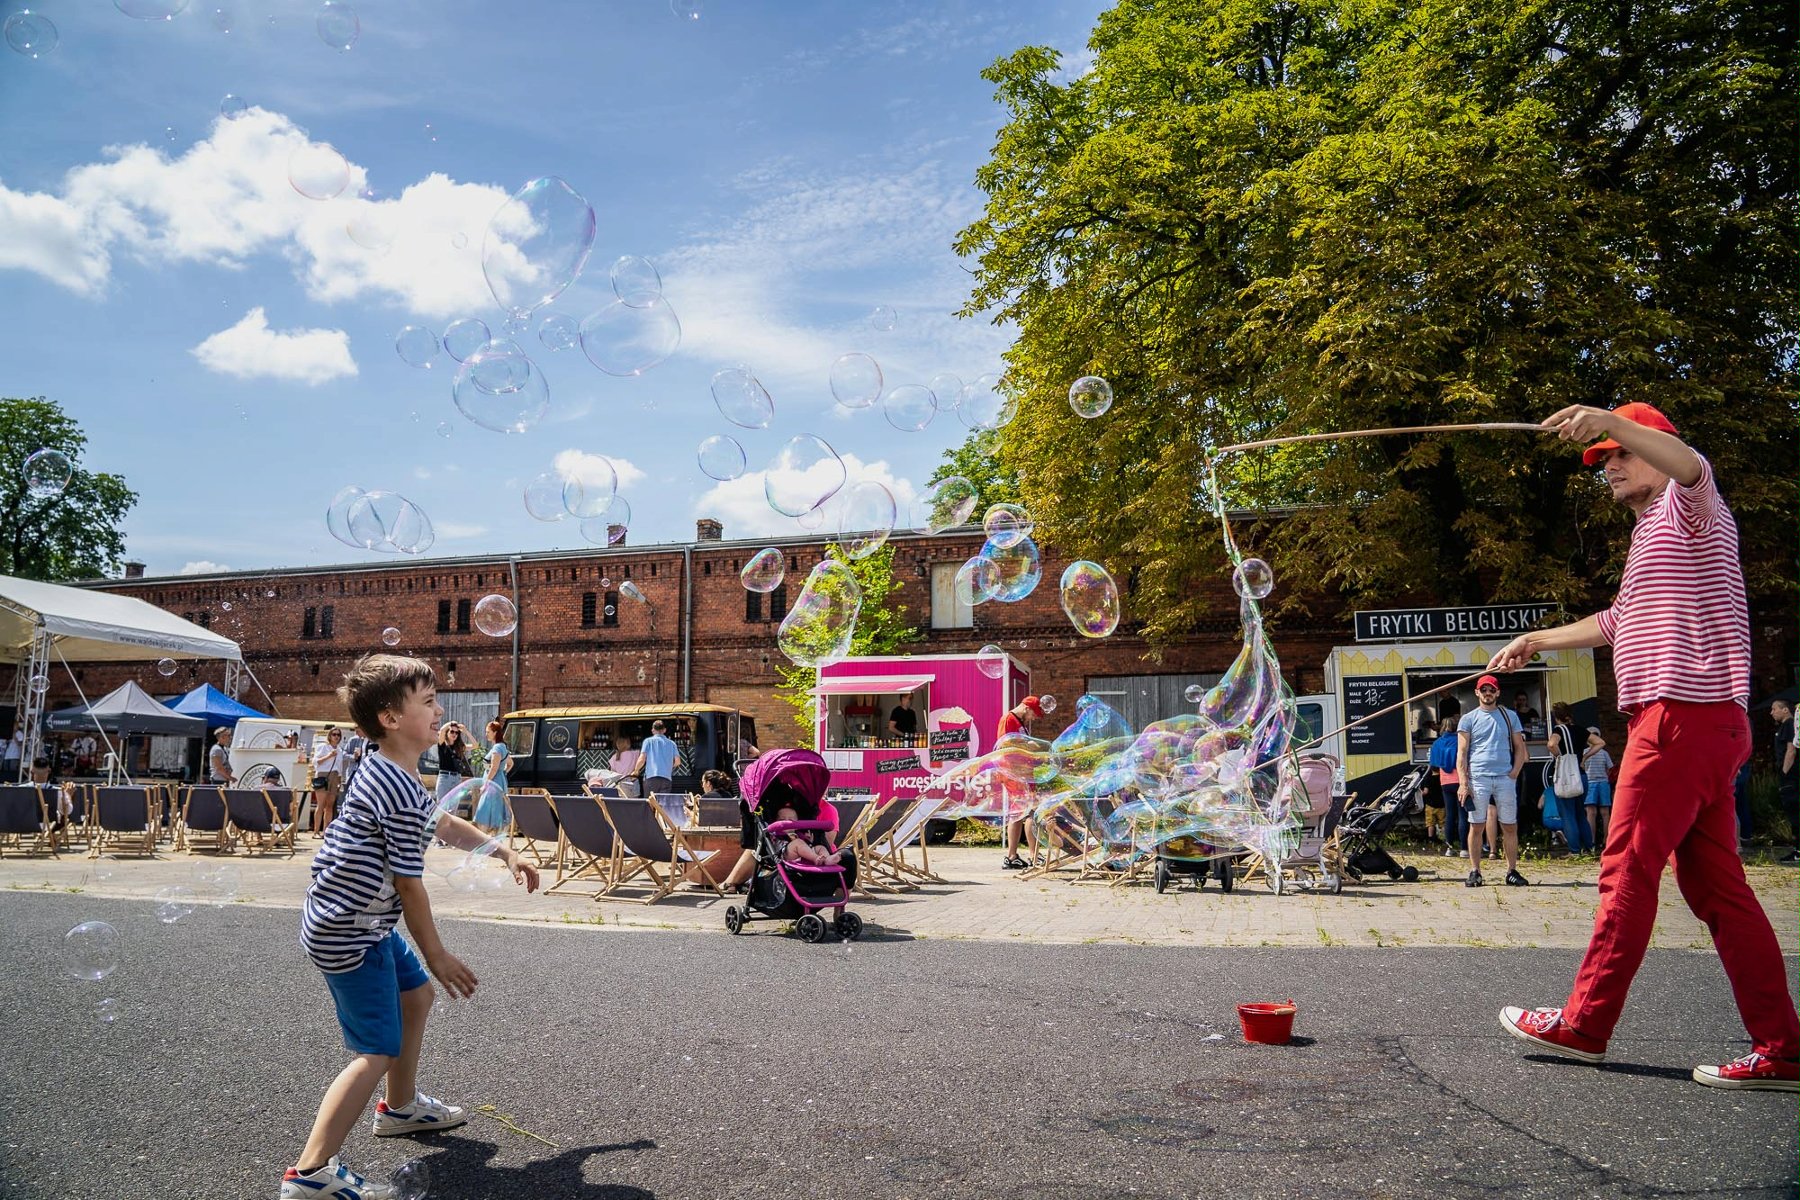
{"points": [[752, 605], [778, 603], [462, 615], [206, 620], [610, 615], [326, 621], [309, 623], [443, 616], [590, 604], [948, 611]]}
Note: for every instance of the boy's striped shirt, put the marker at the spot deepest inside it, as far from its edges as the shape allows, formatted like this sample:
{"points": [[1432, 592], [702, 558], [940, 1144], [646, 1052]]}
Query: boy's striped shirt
{"points": [[379, 833]]}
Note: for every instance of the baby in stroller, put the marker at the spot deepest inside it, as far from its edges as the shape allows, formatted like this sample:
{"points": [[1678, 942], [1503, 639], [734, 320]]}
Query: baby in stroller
{"points": [[798, 846], [794, 877]]}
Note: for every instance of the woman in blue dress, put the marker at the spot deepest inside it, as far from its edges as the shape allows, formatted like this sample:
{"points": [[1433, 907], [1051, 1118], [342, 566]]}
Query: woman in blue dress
{"points": [[491, 812]]}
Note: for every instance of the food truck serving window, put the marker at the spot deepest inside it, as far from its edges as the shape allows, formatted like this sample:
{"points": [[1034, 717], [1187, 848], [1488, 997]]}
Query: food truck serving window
{"points": [[858, 712]]}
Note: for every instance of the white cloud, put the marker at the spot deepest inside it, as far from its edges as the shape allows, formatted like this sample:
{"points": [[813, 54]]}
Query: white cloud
{"points": [[742, 506], [228, 198], [251, 350], [202, 567]]}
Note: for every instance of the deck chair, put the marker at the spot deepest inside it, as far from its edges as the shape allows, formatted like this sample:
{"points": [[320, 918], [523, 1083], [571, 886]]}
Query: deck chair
{"points": [[286, 802], [1064, 840], [851, 813], [887, 855], [125, 821], [877, 822], [674, 806], [652, 846], [204, 827], [25, 819], [535, 824], [590, 843], [716, 812], [253, 820], [74, 808]]}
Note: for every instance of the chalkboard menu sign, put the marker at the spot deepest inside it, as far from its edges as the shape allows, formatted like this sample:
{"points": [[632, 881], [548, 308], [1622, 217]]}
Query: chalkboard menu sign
{"points": [[1370, 694]]}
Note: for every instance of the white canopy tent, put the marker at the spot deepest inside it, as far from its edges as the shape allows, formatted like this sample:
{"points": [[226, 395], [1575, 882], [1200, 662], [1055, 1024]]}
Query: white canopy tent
{"points": [[43, 623]]}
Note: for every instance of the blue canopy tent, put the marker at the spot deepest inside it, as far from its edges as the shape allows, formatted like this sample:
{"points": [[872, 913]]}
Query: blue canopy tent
{"points": [[218, 708]]}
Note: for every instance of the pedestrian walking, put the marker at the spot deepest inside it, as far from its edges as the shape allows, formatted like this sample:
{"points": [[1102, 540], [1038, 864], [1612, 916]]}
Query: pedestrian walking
{"points": [[1443, 760], [1680, 636], [1787, 778], [1490, 754]]}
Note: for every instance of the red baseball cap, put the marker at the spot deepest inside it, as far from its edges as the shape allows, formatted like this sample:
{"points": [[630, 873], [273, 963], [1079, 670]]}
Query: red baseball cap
{"points": [[1487, 681], [1638, 414], [1032, 703]]}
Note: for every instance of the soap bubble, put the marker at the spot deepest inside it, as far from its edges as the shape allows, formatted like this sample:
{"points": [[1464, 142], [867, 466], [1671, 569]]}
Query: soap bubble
{"points": [[390, 523], [866, 518], [443, 429], [544, 497], [416, 345], [495, 615], [990, 660], [151, 10], [635, 281], [31, 34], [173, 903], [976, 581], [1047, 702], [1090, 598], [856, 380], [811, 520], [609, 525], [458, 240], [499, 388], [226, 606], [764, 571], [687, 10], [1193, 693], [91, 951], [317, 171], [337, 516], [222, 19], [628, 339], [231, 107], [390, 636], [536, 244], [465, 336], [39, 684], [1007, 524], [982, 405], [468, 858], [805, 473], [1019, 569], [741, 398], [882, 318], [909, 407], [1253, 579], [819, 626], [944, 505], [1090, 396], [722, 457], [589, 485], [515, 324], [47, 473], [165, 667], [217, 883], [373, 221], [410, 1180], [337, 25], [106, 1010], [559, 331]]}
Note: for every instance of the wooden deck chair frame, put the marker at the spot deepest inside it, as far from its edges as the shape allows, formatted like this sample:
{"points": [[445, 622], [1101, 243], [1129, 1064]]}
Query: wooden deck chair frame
{"points": [[109, 832], [528, 800], [287, 803], [1064, 840], [204, 841], [848, 831], [20, 801], [586, 862], [249, 808], [75, 823], [637, 822], [887, 853], [878, 821]]}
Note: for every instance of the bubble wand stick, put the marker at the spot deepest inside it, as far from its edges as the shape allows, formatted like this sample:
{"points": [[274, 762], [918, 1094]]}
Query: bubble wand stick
{"points": [[1444, 687], [1527, 426]]}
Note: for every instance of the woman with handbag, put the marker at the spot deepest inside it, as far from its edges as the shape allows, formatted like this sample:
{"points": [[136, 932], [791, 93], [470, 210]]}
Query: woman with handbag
{"points": [[1567, 783]]}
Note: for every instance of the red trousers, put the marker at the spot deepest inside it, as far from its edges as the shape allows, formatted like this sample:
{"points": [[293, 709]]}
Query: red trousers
{"points": [[1674, 797]]}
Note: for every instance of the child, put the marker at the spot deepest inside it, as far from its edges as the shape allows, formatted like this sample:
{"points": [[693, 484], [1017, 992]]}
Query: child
{"points": [[799, 846], [1596, 765], [364, 878]]}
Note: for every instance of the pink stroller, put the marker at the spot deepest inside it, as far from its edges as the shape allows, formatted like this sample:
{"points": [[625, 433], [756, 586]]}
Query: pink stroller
{"points": [[781, 890]]}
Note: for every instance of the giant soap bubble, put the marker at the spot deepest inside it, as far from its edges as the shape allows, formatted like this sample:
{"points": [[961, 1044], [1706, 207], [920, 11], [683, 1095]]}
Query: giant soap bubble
{"points": [[866, 518], [498, 387], [805, 473], [91, 951], [765, 570], [47, 473], [856, 380], [1090, 396], [388, 522], [818, 628], [1007, 524], [544, 496], [536, 244], [1018, 567], [741, 398], [976, 581], [909, 407], [1090, 598], [628, 339], [721, 457], [944, 505], [495, 615], [982, 405]]}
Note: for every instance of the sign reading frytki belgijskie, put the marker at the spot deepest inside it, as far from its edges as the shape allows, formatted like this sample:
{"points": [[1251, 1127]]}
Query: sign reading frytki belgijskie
{"points": [[1450, 624]]}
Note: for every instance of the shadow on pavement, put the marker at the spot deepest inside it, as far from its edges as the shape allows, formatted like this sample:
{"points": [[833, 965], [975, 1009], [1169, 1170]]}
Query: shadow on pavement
{"points": [[460, 1171]]}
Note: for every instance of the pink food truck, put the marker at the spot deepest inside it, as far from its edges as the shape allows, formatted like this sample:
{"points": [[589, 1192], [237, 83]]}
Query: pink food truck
{"points": [[885, 723]]}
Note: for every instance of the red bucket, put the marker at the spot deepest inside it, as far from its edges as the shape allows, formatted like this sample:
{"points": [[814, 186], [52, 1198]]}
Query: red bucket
{"points": [[1268, 1024]]}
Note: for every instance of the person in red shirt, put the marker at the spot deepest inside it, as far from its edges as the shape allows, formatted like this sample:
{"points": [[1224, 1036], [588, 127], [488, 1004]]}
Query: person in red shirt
{"points": [[1019, 721], [1680, 635]]}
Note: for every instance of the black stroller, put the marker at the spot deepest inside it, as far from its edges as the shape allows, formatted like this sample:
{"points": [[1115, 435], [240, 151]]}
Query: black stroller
{"points": [[1365, 827], [794, 891]]}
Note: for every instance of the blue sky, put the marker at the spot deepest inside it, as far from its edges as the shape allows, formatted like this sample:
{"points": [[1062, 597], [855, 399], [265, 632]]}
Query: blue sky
{"points": [[229, 349]]}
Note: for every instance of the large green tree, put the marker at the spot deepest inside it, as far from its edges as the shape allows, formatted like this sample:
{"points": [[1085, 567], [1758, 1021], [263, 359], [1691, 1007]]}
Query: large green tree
{"points": [[73, 534], [882, 627], [1258, 218]]}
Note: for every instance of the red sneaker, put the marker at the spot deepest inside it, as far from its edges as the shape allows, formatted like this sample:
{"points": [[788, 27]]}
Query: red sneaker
{"points": [[1546, 1029], [1753, 1072]]}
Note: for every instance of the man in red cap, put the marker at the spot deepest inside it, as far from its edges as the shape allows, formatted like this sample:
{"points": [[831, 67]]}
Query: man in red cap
{"points": [[1490, 754], [1680, 633], [1019, 721]]}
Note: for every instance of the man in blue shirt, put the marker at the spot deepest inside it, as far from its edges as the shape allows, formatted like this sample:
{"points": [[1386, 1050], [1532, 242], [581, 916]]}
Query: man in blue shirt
{"points": [[660, 756], [1490, 753]]}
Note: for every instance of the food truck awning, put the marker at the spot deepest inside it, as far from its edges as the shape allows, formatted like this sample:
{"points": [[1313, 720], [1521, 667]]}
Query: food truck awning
{"points": [[869, 685]]}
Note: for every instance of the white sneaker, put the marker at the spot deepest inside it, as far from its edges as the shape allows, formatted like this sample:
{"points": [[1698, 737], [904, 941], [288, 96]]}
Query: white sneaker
{"points": [[423, 1115], [332, 1179]]}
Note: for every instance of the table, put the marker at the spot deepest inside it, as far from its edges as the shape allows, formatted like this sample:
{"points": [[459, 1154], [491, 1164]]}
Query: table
{"points": [[719, 845]]}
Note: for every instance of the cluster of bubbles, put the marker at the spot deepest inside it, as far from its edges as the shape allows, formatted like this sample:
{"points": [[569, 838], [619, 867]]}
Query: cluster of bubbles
{"points": [[588, 491], [34, 35], [379, 520]]}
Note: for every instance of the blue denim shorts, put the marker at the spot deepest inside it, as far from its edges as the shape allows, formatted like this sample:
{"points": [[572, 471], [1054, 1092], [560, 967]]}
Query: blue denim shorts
{"points": [[368, 998]]}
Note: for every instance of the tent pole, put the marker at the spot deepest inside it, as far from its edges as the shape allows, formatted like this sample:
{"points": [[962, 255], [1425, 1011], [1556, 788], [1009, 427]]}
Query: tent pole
{"points": [[30, 701]]}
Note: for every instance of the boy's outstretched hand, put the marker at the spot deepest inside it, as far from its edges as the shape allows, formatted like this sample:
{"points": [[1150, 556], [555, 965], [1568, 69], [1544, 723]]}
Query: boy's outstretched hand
{"points": [[451, 971], [524, 873]]}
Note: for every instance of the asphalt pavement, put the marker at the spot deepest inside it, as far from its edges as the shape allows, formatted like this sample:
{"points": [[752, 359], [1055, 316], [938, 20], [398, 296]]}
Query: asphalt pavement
{"points": [[676, 1064]]}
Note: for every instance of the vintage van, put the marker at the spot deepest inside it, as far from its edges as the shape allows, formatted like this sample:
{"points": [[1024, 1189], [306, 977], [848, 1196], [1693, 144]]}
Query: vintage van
{"points": [[553, 748]]}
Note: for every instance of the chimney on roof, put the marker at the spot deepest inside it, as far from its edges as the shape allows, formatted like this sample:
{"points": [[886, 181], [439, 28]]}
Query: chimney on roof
{"points": [[708, 530], [615, 535], [134, 570]]}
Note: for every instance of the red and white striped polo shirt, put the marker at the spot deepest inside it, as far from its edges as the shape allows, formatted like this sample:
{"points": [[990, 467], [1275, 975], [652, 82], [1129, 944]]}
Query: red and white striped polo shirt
{"points": [[1680, 628]]}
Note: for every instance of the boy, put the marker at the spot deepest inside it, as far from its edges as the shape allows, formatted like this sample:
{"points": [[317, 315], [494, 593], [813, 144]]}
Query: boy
{"points": [[364, 878]]}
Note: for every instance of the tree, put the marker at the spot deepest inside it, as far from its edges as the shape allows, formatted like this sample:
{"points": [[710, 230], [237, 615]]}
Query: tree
{"points": [[978, 461], [881, 628], [73, 534], [1258, 217]]}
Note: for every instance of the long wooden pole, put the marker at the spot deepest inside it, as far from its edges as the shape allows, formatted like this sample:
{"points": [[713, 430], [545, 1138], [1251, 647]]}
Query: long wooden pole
{"points": [[1529, 426], [1444, 687]]}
